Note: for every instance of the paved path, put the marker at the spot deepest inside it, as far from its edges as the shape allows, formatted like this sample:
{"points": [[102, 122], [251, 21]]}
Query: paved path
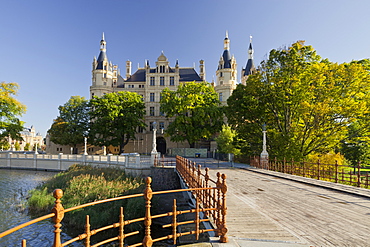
{"points": [[266, 210]]}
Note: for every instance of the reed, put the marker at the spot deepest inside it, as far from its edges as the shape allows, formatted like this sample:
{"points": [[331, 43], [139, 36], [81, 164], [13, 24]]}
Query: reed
{"points": [[84, 183]]}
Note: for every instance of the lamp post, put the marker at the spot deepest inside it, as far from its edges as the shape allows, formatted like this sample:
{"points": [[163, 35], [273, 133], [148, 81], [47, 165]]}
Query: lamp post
{"points": [[85, 139], [264, 157]]}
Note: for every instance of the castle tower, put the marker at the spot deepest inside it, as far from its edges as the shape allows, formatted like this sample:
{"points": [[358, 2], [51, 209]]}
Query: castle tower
{"points": [[226, 73], [202, 70], [104, 74], [249, 68]]}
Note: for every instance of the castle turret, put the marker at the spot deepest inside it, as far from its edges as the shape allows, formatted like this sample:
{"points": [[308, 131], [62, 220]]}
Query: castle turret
{"points": [[226, 73], [249, 68], [104, 74]]}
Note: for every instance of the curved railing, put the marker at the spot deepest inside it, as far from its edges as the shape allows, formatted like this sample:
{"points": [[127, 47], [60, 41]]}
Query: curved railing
{"points": [[209, 200]]}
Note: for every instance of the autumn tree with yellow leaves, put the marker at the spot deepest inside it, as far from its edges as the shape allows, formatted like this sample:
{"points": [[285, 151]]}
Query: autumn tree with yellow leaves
{"points": [[10, 111], [306, 102]]}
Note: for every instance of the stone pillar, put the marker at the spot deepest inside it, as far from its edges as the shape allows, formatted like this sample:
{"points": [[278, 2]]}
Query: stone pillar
{"points": [[264, 157], [154, 153]]}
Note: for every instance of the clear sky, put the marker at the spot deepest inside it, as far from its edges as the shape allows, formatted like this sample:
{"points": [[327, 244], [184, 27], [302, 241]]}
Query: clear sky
{"points": [[47, 47]]}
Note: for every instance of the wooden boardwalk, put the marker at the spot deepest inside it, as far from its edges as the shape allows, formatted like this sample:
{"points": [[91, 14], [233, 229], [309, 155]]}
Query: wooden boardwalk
{"points": [[263, 207]]}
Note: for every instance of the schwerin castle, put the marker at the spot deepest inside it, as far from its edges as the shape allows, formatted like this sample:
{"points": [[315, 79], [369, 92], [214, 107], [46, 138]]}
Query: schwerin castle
{"points": [[149, 83]]}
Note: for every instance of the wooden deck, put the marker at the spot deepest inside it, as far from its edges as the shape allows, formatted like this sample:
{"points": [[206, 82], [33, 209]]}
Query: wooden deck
{"points": [[263, 207]]}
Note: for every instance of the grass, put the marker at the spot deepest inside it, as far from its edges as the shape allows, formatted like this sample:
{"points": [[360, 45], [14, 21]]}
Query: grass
{"points": [[82, 184]]}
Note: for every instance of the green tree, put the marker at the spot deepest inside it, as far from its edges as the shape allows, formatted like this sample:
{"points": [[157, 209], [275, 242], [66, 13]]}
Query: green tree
{"points": [[226, 140], [27, 146], [4, 145], [355, 146], [196, 111], [115, 118], [17, 146], [306, 102], [10, 109], [71, 126]]}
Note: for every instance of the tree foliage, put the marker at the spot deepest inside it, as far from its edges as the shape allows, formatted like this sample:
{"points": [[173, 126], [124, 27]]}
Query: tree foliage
{"points": [[10, 110], [355, 146], [71, 126], [306, 102], [115, 118], [226, 140], [195, 110]]}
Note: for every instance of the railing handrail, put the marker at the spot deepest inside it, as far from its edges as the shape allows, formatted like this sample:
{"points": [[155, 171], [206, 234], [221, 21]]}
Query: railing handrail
{"points": [[317, 170], [213, 202]]}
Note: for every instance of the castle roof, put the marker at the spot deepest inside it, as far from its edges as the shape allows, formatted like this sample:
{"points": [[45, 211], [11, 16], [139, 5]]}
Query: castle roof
{"points": [[186, 74], [249, 68], [227, 59], [101, 58]]}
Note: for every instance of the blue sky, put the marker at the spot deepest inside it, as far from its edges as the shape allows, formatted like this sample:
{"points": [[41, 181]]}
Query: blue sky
{"points": [[47, 47]]}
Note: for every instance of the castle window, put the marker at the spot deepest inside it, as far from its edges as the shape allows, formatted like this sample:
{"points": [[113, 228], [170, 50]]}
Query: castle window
{"points": [[161, 125], [152, 81], [140, 130], [161, 81], [151, 99], [172, 81], [161, 69], [221, 74], [151, 126], [151, 111], [220, 96]]}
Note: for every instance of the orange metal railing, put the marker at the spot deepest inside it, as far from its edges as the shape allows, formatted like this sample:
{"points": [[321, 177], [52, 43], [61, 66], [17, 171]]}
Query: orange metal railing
{"points": [[210, 200]]}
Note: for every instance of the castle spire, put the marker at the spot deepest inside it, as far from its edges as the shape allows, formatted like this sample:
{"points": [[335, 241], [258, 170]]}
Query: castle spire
{"points": [[250, 50], [227, 41], [102, 59]]}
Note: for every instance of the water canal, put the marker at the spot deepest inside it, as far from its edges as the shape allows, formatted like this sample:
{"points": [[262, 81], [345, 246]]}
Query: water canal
{"points": [[14, 187]]}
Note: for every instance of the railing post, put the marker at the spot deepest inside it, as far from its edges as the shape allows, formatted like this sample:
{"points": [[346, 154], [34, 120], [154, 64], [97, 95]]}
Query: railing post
{"points": [[87, 231], [121, 236], [147, 241], [199, 183], [318, 169], [174, 221], [336, 171], [218, 204], [223, 229], [358, 174], [284, 165], [292, 167], [207, 192], [58, 211]]}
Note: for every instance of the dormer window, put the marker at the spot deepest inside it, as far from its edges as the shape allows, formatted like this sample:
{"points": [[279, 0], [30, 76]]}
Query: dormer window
{"points": [[162, 69]]}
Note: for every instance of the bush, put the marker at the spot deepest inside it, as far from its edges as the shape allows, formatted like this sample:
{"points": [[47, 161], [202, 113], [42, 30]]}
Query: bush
{"points": [[82, 184]]}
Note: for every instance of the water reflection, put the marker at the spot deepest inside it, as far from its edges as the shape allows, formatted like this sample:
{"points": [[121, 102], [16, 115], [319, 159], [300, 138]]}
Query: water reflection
{"points": [[14, 185]]}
